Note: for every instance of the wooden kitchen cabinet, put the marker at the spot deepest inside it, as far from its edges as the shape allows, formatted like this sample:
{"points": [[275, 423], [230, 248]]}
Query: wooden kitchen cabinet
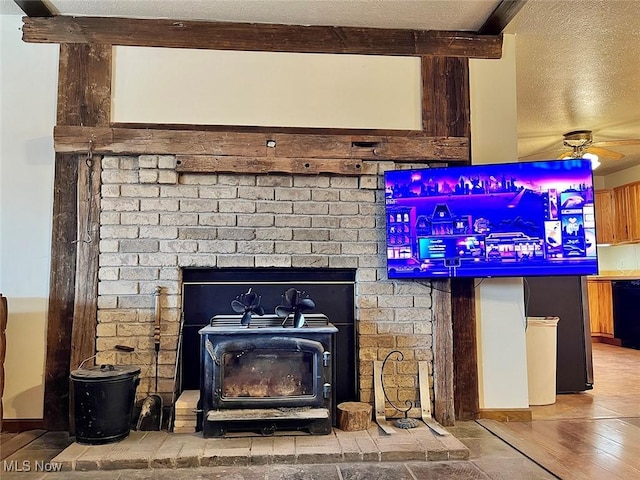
{"points": [[600, 310], [605, 220], [634, 211], [626, 200]]}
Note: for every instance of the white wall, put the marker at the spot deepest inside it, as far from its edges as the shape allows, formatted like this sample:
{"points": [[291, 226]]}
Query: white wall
{"points": [[620, 178], [502, 353], [265, 89], [28, 83], [619, 259]]}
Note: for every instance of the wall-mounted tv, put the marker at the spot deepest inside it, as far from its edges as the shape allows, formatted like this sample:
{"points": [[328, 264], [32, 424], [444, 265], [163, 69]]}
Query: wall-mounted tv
{"points": [[499, 220]]}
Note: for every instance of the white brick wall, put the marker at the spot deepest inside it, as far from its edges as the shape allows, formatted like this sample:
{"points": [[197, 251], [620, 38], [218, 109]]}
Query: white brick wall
{"points": [[154, 222]]}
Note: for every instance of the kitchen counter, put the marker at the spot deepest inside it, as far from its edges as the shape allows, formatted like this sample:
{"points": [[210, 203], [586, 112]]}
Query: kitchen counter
{"points": [[613, 277]]}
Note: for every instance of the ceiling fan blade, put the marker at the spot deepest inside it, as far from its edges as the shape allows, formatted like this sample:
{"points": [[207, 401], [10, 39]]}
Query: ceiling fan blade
{"points": [[604, 153], [548, 153], [617, 143]]}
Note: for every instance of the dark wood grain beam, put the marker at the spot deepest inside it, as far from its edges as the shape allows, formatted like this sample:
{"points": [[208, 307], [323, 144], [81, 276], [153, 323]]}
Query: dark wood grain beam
{"points": [[128, 141], [465, 350], [259, 37], [446, 108], [85, 309], [34, 8], [501, 16], [61, 293], [293, 166], [443, 403], [84, 98], [446, 112]]}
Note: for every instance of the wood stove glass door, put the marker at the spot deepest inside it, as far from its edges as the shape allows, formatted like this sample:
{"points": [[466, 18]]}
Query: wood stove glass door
{"points": [[270, 372]]}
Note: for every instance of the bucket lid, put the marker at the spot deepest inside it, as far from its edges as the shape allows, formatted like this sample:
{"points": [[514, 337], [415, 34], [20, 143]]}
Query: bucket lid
{"points": [[105, 372], [543, 321]]}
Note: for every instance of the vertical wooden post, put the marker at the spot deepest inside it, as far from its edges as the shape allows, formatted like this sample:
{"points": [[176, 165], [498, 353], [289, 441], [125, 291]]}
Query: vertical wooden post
{"points": [[465, 350], [61, 294], [84, 98], [445, 97], [85, 311], [446, 112], [443, 410]]}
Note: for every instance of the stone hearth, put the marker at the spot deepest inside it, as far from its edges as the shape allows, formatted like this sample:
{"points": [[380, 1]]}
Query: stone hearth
{"points": [[163, 450]]}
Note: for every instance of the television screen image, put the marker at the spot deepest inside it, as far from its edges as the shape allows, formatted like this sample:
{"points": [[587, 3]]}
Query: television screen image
{"points": [[501, 220]]}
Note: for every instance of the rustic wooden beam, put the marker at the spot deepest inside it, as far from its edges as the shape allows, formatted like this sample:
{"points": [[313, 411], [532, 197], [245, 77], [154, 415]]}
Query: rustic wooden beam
{"points": [[446, 112], [443, 405], [445, 97], [84, 98], [126, 141], [129, 141], [61, 294], [465, 351], [259, 37], [85, 310], [84, 85], [295, 166], [446, 148], [501, 16]]}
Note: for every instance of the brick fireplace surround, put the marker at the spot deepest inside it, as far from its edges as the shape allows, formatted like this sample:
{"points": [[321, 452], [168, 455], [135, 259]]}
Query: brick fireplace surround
{"points": [[154, 222]]}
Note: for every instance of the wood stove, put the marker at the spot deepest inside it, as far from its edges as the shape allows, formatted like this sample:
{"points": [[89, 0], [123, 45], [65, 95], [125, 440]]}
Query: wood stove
{"points": [[268, 376]]}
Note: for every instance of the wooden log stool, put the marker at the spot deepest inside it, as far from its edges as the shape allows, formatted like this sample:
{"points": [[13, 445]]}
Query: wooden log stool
{"points": [[354, 416]]}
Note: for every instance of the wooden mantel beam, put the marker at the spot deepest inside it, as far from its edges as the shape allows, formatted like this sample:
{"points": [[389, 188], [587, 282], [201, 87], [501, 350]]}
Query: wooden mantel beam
{"points": [[259, 37], [132, 141]]}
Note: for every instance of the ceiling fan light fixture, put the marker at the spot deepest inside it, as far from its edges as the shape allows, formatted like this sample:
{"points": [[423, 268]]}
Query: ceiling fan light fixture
{"points": [[595, 161]]}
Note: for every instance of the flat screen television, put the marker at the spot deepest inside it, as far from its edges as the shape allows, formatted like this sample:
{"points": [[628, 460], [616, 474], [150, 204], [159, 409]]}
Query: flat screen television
{"points": [[500, 220]]}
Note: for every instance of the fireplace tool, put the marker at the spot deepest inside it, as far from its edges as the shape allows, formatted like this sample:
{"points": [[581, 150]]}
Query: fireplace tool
{"points": [[295, 302], [247, 304], [151, 411]]}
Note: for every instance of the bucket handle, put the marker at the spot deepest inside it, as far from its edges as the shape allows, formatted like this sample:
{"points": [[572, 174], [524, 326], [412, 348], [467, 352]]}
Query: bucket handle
{"points": [[86, 360]]}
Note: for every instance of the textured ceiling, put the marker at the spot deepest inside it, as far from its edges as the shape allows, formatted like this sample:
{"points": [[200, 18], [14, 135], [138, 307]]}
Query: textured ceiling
{"points": [[578, 67], [578, 61]]}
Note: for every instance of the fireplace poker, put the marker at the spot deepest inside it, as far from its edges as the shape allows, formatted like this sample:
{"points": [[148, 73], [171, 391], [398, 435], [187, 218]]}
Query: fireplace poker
{"points": [[151, 411]]}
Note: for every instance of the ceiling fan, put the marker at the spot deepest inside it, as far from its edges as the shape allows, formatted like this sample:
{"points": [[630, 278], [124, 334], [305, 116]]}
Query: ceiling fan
{"points": [[581, 145], [581, 142]]}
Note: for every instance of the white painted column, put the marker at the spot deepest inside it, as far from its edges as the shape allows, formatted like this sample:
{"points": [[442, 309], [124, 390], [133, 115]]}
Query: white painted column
{"points": [[502, 352]]}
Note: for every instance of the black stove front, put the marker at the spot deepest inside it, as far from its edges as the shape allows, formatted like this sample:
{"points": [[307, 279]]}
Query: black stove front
{"points": [[268, 376]]}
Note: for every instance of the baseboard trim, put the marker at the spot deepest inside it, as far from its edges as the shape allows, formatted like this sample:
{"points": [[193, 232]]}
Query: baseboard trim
{"points": [[506, 414], [608, 339], [17, 425]]}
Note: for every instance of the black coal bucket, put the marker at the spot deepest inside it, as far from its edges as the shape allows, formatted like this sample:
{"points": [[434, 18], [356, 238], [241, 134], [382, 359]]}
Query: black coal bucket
{"points": [[102, 399]]}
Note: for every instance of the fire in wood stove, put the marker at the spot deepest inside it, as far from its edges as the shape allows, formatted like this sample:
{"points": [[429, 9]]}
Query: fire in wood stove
{"points": [[264, 373]]}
